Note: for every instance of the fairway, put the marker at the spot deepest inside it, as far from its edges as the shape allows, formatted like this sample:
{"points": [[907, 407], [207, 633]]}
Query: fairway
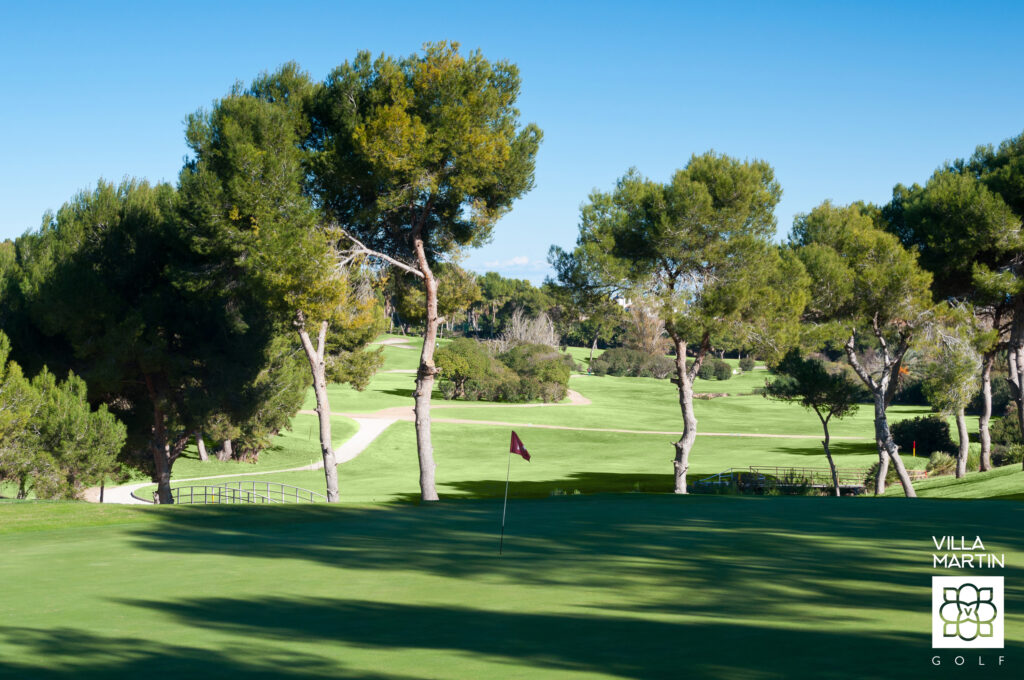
{"points": [[626, 586]]}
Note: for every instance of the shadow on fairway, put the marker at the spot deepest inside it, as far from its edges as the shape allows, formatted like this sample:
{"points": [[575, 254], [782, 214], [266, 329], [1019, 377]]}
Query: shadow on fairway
{"points": [[73, 653], [632, 586], [718, 586]]}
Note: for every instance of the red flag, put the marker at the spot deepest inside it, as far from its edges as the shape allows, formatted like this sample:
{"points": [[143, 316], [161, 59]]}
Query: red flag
{"points": [[517, 446]]}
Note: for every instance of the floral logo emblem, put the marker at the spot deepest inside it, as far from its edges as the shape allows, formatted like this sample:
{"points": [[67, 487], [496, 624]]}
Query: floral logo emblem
{"points": [[967, 612]]}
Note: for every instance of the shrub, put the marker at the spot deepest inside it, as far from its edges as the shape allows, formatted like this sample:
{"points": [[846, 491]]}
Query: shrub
{"points": [[543, 373], [1006, 430], [890, 477], [634, 363], [707, 369], [1012, 454], [930, 432], [941, 463], [747, 364], [723, 371], [461, 361]]}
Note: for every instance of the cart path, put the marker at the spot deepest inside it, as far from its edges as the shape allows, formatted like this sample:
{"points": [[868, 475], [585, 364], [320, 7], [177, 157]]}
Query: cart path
{"points": [[369, 429]]}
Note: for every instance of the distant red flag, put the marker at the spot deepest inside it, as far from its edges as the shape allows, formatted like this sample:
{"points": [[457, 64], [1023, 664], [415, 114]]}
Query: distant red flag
{"points": [[517, 446]]}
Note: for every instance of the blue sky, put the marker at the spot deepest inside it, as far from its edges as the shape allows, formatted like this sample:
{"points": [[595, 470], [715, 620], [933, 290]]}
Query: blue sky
{"points": [[843, 99]]}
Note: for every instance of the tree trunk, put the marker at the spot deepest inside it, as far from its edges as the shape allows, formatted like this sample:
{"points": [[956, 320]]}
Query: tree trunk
{"points": [[591, 359], [961, 456], [201, 445], [986, 411], [225, 451], [828, 455], [681, 462], [883, 469], [425, 379], [318, 368], [160, 447], [883, 435]]}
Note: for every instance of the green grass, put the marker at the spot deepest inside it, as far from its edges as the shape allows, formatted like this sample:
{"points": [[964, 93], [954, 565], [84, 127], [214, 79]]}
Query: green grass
{"points": [[627, 586], [649, 404], [1005, 483], [471, 462]]}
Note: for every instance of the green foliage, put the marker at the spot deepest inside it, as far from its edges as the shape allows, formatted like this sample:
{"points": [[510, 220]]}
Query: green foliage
{"points": [[51, 441], [810, 383], [891, 476], [723, 371], [941, 463], [707, 369], [621, 361], [524, 373], [1006, 430], [930, 432], [425, 148], [1012, 454], [747, 364], [696, 249], [463, 360]]}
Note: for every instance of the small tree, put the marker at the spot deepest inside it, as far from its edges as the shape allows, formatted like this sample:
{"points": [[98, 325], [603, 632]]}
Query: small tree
{"points": [[829, 395], [952, 376], [867, 293]]}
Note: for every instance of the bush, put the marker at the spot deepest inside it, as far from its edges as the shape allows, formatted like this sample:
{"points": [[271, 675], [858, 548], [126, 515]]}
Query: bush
{"points": [[747, 364], [930, 432], [941, 463], [634, 363], [707, 369], [543, 373], [1005, 430], [890, 477], [1012, 454], [723, 371]]}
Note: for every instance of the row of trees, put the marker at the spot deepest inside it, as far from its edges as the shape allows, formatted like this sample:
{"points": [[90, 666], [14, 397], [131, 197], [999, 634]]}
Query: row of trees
{"points": [[933, 279], [185, 307]]}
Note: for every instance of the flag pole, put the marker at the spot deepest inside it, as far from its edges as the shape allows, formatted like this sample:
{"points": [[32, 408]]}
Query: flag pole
{"points": [[508, 471]]}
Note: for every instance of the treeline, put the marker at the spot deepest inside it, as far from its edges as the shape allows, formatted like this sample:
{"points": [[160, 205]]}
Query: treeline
{"points": [[311, 215], [923, 294], [306, 213]]}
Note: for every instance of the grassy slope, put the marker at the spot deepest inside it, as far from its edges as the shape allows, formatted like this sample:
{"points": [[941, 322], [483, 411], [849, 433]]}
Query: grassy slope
{"points": [[1006, 483], [630, 586]]}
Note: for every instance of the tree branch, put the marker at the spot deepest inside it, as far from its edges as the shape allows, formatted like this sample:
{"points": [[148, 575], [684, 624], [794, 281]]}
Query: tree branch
{"points": [[861, 372], [361, 249]]}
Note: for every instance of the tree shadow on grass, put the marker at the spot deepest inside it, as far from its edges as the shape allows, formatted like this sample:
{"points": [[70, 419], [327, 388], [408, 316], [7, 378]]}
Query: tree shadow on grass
{"points": [[73, 653], [616, 645], [728, 550]]}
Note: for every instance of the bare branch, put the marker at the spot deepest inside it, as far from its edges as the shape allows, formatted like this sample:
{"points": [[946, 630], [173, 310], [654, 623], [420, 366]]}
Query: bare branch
{"points": [[361, 249]]}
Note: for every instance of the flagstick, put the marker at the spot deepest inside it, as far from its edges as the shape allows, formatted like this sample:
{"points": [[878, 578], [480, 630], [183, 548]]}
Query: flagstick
{"points": [[501, 542]]}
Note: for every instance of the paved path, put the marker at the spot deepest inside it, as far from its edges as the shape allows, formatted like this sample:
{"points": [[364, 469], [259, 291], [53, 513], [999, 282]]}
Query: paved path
{"points": [[369, 429]]}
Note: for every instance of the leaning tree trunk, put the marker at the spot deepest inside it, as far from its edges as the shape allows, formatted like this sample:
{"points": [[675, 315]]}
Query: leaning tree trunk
{"points": [[986, 412], [961, 455], [201, 446], [318, 368], [681, 462], [883, 435], [425, 380], [828, 455], [593, 347], [883, 468]]}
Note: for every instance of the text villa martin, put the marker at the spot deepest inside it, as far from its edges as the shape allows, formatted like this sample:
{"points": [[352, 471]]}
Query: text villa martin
{"points": [[957, 552]]}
